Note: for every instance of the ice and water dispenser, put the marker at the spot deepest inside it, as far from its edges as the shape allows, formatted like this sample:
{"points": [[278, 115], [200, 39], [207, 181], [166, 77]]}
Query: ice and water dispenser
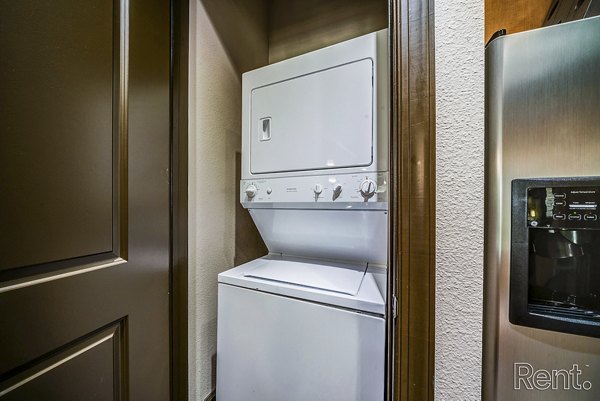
{"points": [[555, 254]]}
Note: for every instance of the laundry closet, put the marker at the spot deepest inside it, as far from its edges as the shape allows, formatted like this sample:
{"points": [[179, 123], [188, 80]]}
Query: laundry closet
{"points": [[228, 39]]}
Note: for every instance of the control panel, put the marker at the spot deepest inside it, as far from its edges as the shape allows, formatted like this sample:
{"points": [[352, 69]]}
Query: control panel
{"points": [[341, 190], [563, 207]]}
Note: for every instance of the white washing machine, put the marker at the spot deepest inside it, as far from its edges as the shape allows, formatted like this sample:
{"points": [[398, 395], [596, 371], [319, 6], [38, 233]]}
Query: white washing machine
{"points": [[307, 321], [299, 329]]}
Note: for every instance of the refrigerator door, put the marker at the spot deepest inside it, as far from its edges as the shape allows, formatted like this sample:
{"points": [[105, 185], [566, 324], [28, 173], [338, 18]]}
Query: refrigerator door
{"points": [[273, 348], [542, 121]]}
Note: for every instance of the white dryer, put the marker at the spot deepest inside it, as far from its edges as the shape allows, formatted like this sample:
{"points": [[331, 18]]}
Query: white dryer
{"points": [[307, 321]]}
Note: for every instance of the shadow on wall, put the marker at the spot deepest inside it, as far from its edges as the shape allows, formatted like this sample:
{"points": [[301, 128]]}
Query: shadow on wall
{"points": [[301, 26], [242, 28], [257, 32]]}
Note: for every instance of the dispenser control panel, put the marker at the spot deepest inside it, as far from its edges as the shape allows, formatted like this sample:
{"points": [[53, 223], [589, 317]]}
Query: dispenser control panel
{"points": [[341, 190], [564, 207]]}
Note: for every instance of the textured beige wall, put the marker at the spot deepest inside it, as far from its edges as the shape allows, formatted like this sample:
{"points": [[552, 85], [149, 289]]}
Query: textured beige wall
{"points": [[216, 58], [241, 26], [459, 82]]}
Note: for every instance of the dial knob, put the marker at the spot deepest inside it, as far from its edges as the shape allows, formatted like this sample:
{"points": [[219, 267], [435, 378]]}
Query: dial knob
{"points": [[368, 188], [251, 191], [318, 188], [337, 191]]}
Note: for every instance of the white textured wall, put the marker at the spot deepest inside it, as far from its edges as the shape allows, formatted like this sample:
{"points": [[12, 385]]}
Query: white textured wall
{"points": [[459, 76], [214, 136]]}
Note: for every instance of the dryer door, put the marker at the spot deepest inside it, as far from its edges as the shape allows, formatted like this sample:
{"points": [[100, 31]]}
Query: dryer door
{"points": [[321, 120]]}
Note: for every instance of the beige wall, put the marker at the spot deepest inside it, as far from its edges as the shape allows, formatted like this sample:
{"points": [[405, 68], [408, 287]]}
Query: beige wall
{"points": [[241, 28], [219, 50]]}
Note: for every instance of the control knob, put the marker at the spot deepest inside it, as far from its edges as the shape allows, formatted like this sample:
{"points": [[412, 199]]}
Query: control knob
{"points": [[318, 188], [337, 191], [251, 191], [368, 188]]}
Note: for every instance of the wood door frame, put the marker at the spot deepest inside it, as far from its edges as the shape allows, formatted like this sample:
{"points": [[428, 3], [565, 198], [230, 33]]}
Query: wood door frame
{"points": [[411, 279], [179, 199]]}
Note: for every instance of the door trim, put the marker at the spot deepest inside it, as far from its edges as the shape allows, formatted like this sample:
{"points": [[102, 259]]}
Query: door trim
{"points": [[179, 199], [411, 336]]}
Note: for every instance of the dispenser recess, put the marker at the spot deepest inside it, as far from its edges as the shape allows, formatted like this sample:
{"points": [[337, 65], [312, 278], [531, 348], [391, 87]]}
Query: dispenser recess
{"points": [[555, 254]]}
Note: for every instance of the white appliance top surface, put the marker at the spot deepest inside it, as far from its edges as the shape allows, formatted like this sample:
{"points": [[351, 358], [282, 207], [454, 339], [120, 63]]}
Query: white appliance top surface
{"points": [[338, 278], [350, 286]]}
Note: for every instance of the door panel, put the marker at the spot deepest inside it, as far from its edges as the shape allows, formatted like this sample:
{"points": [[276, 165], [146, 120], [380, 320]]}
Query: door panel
{"points": [[84, 204], [56, 83], [94, 363]]}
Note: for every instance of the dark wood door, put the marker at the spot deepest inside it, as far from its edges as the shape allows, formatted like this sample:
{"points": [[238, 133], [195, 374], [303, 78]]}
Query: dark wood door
{"points": [[84, 200]]}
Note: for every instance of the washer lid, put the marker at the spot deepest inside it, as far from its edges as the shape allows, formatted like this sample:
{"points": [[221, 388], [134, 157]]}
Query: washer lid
{"points": [[336, 277], [370, 297]]}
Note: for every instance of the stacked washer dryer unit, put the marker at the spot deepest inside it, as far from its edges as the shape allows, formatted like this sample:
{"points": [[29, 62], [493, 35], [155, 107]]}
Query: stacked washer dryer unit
{"points": [[307, 321]]}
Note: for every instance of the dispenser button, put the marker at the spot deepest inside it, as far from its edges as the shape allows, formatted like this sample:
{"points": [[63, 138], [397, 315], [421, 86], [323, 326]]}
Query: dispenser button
{"points": [[559, 216], [590, 217], [574, 216]]}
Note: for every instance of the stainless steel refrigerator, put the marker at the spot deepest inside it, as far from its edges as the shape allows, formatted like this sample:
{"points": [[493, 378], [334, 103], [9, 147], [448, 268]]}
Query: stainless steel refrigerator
{"points": [[542, 250]]}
